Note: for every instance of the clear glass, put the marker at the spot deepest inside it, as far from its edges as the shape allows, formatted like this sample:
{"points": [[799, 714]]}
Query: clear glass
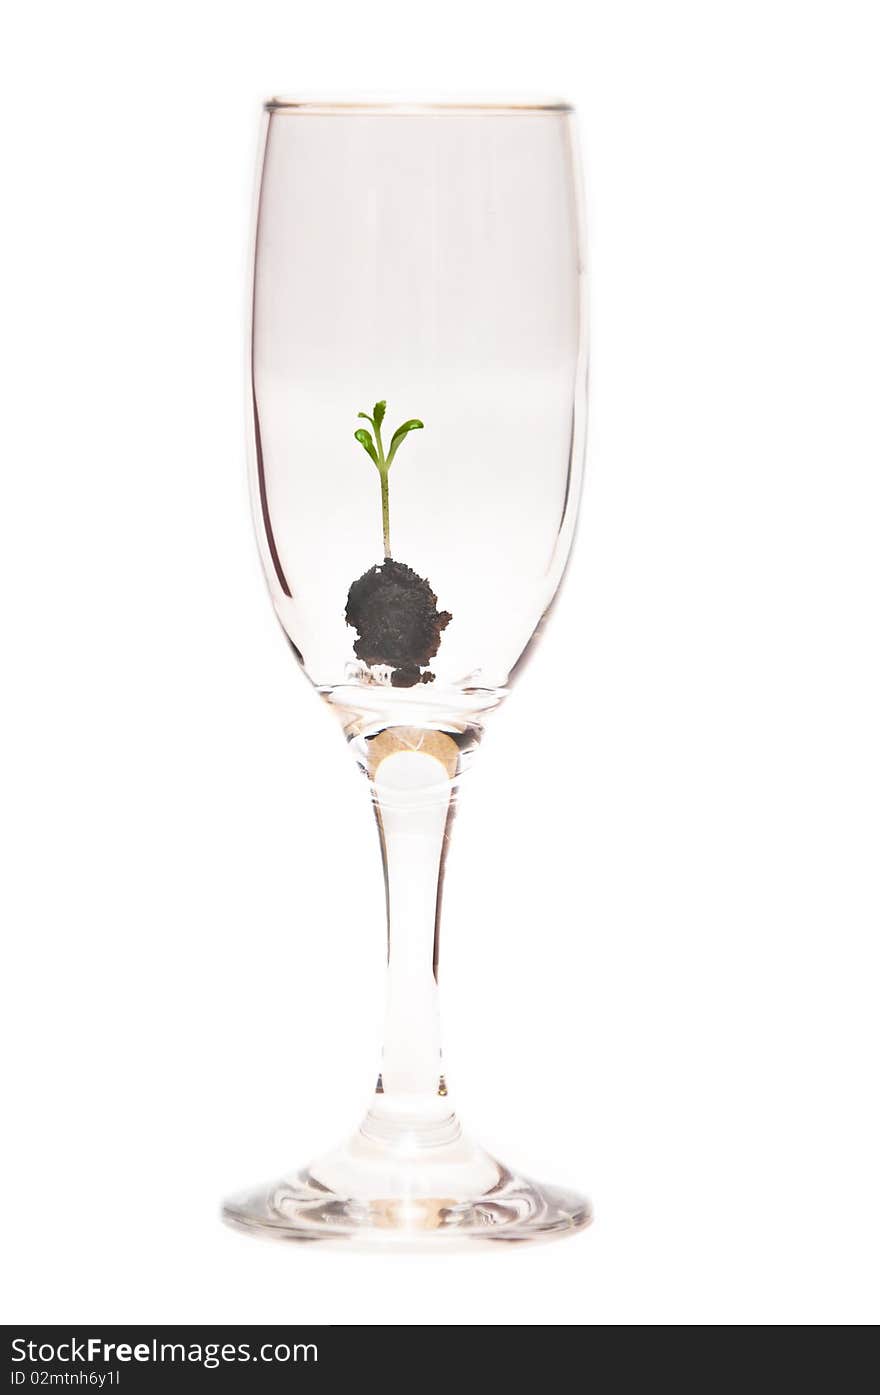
{"points": [[418, 381]]}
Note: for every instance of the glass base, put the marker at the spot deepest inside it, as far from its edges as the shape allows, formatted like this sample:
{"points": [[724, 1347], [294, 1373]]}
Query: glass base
{"points": [[423, 1187]]}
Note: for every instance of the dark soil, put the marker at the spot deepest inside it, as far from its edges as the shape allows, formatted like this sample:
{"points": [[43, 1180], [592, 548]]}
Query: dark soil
{"points": [[395, 614]]}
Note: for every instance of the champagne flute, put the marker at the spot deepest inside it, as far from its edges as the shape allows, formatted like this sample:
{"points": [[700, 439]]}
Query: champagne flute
{"points": [[418, 386]]}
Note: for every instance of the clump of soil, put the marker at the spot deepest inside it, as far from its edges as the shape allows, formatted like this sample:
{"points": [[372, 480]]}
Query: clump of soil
{"points": [[395, 614]]}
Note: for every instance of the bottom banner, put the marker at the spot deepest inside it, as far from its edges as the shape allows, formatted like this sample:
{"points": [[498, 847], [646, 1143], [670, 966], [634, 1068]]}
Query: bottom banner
{"points": [[141, 1357]]}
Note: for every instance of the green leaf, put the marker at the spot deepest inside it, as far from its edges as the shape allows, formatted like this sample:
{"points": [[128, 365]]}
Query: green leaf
{"points": [[365, 417], [366, 441], [413, 425], [378, 414]]}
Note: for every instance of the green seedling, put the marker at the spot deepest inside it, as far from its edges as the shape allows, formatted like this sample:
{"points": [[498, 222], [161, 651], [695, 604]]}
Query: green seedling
{"points": [[383, 462]]}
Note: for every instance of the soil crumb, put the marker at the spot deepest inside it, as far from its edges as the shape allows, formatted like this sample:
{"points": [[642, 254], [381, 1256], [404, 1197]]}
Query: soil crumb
{"points": [[395, 614]]}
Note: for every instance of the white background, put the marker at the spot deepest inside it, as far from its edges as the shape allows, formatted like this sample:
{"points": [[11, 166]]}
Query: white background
{"points": [[660, 956]]}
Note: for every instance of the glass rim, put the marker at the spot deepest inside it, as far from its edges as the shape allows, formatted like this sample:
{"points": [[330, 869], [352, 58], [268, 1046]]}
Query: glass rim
{"points": [[354, 104]]}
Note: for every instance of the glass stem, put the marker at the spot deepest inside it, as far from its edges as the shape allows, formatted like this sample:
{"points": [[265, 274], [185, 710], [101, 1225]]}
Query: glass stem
{"points": [[412, 774]]}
